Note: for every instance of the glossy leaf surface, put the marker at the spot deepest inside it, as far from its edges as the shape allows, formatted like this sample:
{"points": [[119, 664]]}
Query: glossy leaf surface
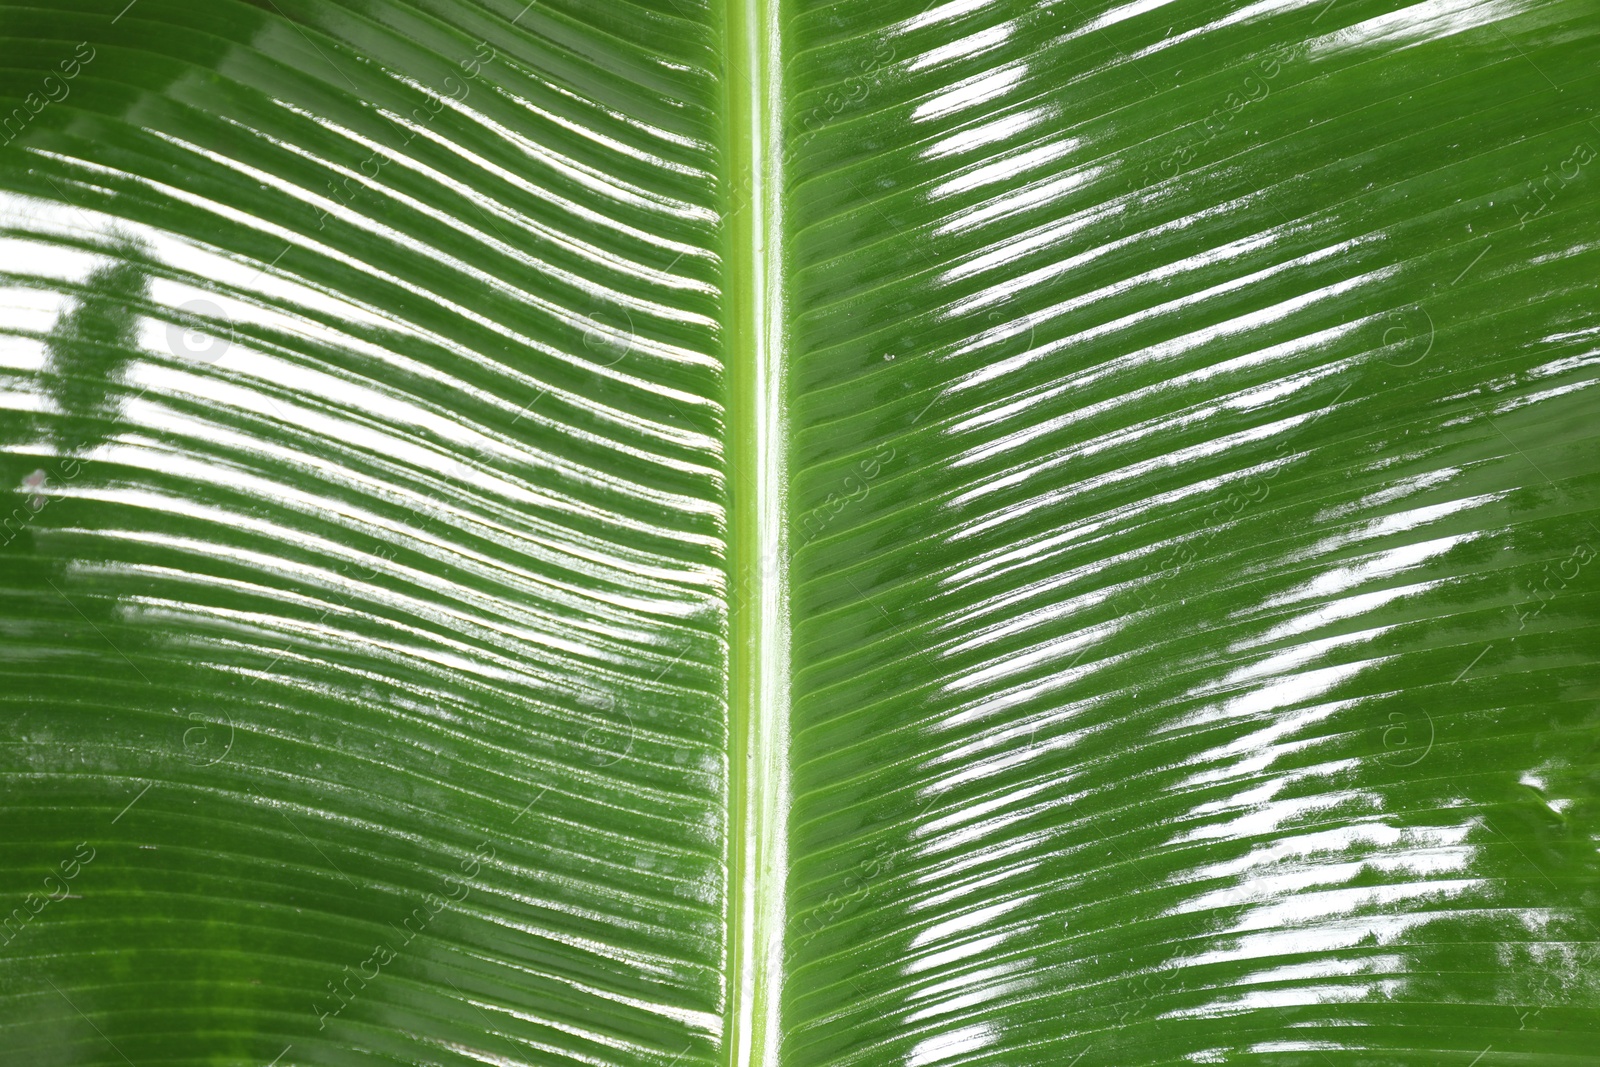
{"points": [[1172, 422]]}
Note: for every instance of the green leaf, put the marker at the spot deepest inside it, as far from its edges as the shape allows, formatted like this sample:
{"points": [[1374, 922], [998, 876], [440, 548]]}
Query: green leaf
{"points": [[667, 532]]}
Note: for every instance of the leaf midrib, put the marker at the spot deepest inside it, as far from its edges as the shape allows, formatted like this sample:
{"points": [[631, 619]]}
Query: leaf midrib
{"points": [[757, 563]]}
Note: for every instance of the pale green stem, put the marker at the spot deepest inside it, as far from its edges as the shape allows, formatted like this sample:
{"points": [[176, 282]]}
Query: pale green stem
{"points": [[759, 684]]}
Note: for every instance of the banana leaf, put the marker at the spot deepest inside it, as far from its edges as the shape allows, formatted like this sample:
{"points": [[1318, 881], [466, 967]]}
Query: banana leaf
{"points": [[783, 533]]}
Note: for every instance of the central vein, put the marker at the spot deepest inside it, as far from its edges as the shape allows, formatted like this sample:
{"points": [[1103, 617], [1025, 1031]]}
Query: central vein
{"points": [[759, 616]]}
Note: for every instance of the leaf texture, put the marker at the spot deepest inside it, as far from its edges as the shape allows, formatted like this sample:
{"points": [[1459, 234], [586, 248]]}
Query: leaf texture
{"points": [[1195, 476], [364, 616], [1188, 545]]}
